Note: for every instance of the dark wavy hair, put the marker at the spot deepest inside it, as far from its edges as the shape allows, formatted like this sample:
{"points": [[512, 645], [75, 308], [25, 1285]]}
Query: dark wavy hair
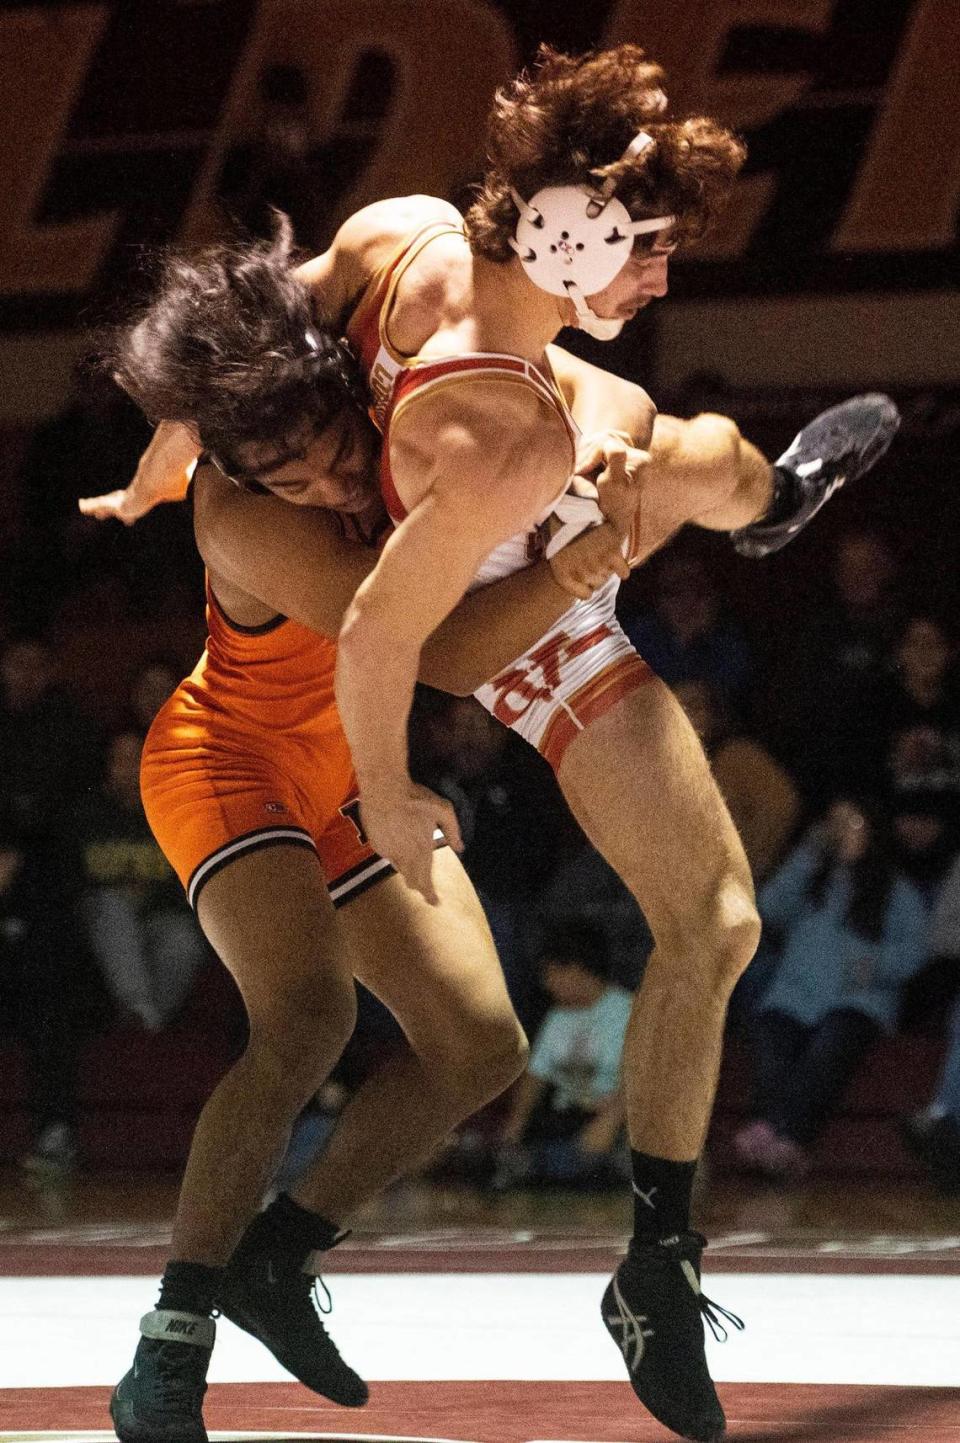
{"points": [[229, 341], [569, 121]]}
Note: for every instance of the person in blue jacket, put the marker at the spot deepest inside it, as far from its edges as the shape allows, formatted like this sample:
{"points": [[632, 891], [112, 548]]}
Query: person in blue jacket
{"points": [[852, 931]]}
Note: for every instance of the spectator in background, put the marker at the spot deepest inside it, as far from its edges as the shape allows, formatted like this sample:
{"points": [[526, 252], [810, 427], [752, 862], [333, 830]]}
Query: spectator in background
{"points": [[567, 1113], [822, 709], [921, 706], [48, 758], [685, 635], [853, 931], [933, 1134], [924, 823], [764, 803], [141, 932]]}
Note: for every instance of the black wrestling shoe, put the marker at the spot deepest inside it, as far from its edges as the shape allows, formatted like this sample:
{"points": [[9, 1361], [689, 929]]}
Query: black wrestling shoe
{"points": [[652, 1309], [273, 1299], [839, 445], [160, 1400]]}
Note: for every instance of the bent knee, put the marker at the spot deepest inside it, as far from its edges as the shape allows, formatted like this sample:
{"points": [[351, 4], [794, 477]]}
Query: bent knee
{"points": [[299, 1034], [734, 929], [717, 939], [488, 1059]]}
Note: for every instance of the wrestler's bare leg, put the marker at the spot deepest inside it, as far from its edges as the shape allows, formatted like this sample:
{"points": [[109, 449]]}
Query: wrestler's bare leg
{"points": [[702, 471], [640, 786], [270, 919], [437, 971]]}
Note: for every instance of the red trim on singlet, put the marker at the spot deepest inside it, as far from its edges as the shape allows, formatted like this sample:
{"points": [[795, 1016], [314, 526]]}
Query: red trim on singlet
{"points": [[368, 329], [598, 696]]}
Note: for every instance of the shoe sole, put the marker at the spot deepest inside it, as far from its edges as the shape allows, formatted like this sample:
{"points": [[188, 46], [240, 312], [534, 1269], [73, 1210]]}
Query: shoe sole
{"points": [[129, 1430], [874, 413]]}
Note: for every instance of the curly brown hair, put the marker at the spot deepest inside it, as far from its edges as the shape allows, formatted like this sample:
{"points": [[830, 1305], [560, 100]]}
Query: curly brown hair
{"points": [[230, 342], [570, 120]]}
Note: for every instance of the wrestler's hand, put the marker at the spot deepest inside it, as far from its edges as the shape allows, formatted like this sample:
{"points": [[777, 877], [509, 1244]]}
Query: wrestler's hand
{"points": [[127, 505], [586, 563], [163, 474], [399, 822], [615, 466]]}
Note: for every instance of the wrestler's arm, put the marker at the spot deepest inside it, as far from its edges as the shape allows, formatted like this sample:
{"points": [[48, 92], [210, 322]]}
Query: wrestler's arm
{"points": [[163, 474], [484, 463], [298, 563]]}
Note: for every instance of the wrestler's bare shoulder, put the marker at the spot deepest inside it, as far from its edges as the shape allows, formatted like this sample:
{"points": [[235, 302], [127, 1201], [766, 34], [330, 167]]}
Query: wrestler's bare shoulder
{"points": [[366, 240], [489, 431]]}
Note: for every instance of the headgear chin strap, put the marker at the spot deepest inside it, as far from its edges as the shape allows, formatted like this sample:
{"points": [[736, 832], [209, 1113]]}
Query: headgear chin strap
{"points": [[573, 240]]}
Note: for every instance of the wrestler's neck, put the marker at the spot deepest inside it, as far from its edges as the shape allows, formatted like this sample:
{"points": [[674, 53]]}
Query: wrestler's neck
{"points": [[509, 307]]}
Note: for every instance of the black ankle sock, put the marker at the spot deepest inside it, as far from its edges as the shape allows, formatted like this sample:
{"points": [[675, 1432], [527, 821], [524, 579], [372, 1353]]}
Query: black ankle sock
{"points": [[290, 1229], [785, 499], [661, 1196], [189, 1288]]}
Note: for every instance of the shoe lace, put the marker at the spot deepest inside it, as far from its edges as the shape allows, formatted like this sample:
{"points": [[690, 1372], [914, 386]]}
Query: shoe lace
{"points": [[180, 1373], [319, 1284], [710, 1310]]}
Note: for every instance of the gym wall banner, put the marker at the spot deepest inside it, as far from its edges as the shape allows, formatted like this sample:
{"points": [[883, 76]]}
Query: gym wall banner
{"points": [[129, 124]]}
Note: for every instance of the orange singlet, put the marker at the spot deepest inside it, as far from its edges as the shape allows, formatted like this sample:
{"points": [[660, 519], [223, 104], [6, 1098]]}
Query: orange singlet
{"points": [[249, 752]]}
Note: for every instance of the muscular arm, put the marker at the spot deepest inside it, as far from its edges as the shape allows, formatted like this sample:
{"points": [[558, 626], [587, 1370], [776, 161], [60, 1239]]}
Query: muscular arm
{"points": [[481, 469], [297, 562]]}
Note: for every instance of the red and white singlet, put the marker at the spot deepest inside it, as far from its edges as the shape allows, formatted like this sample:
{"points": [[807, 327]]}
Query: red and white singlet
{"points": [[584, 664]]}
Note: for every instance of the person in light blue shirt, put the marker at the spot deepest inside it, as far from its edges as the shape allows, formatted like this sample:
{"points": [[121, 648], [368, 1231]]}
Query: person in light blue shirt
{"points": [[853, 930], [567, 1111]]}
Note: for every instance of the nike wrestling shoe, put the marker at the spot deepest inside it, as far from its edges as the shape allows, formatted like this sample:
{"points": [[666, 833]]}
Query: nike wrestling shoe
{"points": [[653, 1309], [839, 445], [160, 1400], [266, 1292]]}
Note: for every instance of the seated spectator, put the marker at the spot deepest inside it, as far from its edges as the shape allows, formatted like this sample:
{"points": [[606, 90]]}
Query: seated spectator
{"points": [[140, 929], [48, 757], [925, 835], [685, 635], [934, 1132], [566, 1114], [821, 710], [853, 931], [764, 803], [921, 702], [585, 885]]}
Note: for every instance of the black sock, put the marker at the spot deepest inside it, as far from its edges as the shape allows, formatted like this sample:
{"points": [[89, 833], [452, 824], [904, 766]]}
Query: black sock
{"points": [[189, 1288], [661, 1196], [289, 1231], [785, 500]]}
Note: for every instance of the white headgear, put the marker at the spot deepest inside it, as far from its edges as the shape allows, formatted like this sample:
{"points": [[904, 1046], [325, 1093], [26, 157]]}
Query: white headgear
{"points": [[573, 240]]}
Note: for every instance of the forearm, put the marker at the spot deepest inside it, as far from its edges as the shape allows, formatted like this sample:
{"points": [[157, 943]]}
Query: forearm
{"points": [[492, 627], [375, 678], [166, 466]]}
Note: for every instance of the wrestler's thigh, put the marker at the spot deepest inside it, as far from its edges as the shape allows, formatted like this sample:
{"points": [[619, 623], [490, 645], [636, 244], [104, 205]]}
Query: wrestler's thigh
{"points": [[435, 968], [269, 917], [639, 783]]}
